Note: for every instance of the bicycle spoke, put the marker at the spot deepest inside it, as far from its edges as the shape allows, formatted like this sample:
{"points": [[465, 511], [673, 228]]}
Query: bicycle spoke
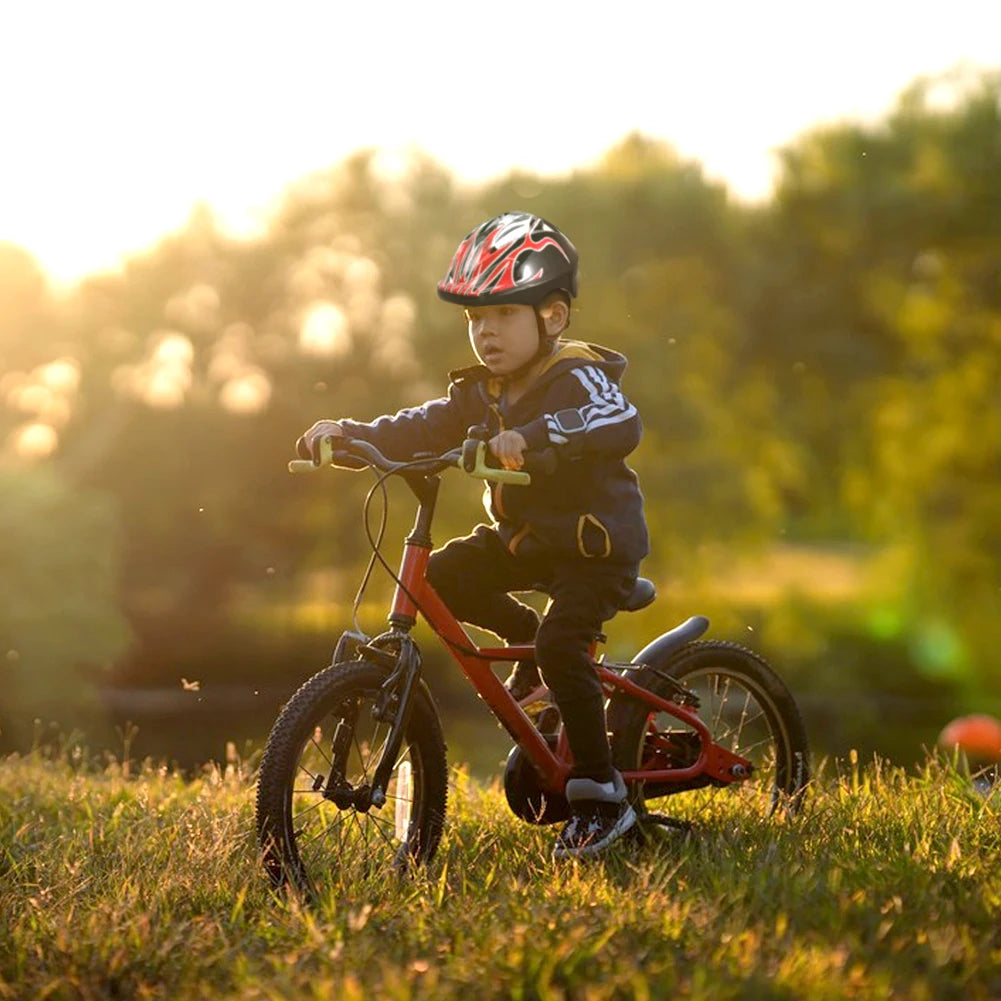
{"points": [[310, 809], [314, 740], [323, 845], [741, 721], [365, 757], [319, 826], [324, 833], [722, 701], [738, 718], [377, 757], [320, 835], [747, 750], [385, 829]]}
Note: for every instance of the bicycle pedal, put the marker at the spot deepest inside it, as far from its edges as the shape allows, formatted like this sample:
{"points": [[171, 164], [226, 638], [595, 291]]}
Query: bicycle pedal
{"points": [[536, 702], [663, 820]]}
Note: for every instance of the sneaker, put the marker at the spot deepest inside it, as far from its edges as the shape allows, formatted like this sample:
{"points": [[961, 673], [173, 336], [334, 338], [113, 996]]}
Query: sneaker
{"points": [[600, 813], [525, 685]]}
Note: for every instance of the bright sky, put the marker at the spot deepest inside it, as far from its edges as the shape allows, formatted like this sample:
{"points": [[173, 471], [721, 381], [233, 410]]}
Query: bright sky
{"points": [[117, 117]]}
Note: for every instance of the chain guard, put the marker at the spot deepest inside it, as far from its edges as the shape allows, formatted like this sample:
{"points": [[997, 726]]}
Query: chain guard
{"points": [[524, 796]]}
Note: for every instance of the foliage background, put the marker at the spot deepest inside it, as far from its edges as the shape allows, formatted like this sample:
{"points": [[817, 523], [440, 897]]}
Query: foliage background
{"points": [[817, 377]]}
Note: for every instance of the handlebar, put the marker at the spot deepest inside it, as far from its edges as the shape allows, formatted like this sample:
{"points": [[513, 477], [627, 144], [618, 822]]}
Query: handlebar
{"points": [[471, 458]]}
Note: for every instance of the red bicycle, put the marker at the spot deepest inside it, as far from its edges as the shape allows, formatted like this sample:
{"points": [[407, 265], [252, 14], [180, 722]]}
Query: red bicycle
{"points": [[354, 774]]}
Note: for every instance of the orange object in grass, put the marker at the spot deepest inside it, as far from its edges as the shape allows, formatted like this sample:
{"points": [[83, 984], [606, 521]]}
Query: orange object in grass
{"points": [[977, 735]]}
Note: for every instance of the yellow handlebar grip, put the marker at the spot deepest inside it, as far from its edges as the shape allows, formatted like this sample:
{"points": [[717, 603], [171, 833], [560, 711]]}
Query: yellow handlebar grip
{"points": [[484, 472], [307, 465]]}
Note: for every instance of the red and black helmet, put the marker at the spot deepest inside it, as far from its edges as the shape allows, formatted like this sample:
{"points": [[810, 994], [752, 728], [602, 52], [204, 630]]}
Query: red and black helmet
{"points": [[513, 258]]}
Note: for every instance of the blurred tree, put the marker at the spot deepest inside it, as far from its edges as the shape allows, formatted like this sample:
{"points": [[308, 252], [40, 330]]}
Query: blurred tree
{"points": [[204, 360], [820, 367], [879, 310], [61, 626]]}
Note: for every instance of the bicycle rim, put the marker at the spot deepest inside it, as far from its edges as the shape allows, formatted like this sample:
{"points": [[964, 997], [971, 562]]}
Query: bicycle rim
{"points": [[748, 711], [316, 835]]}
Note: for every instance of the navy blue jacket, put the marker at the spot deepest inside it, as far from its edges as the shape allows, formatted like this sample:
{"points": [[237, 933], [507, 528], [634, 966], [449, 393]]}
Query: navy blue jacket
{"points": [[591, 506]]}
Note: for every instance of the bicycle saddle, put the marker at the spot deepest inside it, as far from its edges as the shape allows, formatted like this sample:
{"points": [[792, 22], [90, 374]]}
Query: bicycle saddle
{"points": [[642, 594]]}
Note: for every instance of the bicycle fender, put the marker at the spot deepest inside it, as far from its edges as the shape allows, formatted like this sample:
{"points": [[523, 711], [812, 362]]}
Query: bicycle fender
{"points": [[658, 652]]}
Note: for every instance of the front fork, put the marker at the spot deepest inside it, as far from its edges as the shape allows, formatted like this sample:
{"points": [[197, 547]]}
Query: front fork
{"points": [[393, 705]]}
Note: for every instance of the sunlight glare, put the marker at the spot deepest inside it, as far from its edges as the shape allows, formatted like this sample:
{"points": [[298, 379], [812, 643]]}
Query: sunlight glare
{"points": [[226, 363], [61, 375], [392, 168], [362, 275], [246, 393], [39, 393], [325, 331], [164, 388], [30, 398], [164, 378], [171, 348], [35, 440]]}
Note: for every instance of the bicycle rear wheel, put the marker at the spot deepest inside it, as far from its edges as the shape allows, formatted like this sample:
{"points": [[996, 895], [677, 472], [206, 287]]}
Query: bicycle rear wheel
{"points": [[316, 832], [748, 710]]}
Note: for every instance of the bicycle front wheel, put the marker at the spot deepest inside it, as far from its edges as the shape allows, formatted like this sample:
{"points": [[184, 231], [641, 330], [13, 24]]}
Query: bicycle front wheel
{"points": [[748, 710], [316, 831]]}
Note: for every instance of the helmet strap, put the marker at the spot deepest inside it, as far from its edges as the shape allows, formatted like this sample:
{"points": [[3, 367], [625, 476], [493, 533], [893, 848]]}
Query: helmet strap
{"points": [[546, 345], [547, 341]]}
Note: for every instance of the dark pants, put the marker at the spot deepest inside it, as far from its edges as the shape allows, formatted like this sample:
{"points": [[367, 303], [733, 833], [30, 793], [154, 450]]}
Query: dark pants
{"points": [[473, 576]]}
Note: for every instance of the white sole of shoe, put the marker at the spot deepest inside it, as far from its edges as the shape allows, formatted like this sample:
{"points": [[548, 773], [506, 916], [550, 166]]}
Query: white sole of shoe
{"points": [[592, 848]]}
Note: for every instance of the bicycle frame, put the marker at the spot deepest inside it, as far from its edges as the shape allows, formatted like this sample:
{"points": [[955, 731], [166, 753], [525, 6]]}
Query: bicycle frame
{"points": [[415, 594]]}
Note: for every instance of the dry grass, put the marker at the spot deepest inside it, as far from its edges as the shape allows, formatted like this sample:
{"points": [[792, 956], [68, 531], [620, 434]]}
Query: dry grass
{"points": [[134, 883]]}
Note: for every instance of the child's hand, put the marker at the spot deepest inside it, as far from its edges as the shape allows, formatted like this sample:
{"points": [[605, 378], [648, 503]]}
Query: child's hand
{"points": [[304, 446], [509, 447]]}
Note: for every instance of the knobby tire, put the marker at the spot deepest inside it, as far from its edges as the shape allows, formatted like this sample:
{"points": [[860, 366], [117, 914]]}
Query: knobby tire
{"points": [[308, 842], [747, 708]]}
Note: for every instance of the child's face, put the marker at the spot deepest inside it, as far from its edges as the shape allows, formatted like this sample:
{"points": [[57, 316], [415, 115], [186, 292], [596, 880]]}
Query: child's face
{"points": [[503, 337]]}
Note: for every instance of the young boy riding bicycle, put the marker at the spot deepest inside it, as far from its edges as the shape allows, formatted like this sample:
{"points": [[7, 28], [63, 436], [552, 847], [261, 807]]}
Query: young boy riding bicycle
{"points": [[578, 533]]}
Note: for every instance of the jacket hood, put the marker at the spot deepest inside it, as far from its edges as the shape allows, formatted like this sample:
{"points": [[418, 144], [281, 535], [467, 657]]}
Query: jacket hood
{"points": [[568, 354]]}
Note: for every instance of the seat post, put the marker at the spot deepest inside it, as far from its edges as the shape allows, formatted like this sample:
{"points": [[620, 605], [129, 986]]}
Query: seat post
{"points": [[425, 488]]}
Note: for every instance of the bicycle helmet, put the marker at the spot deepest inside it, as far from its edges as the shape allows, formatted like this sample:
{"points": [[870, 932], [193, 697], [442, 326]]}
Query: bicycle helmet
{"points": [[516, 258]]}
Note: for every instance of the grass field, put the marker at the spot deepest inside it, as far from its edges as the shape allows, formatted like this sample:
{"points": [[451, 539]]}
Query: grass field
{"points": [[132, 882]]}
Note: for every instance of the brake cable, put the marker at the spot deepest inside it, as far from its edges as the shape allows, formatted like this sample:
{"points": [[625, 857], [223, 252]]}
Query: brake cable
{"points": [[375, 543]]}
